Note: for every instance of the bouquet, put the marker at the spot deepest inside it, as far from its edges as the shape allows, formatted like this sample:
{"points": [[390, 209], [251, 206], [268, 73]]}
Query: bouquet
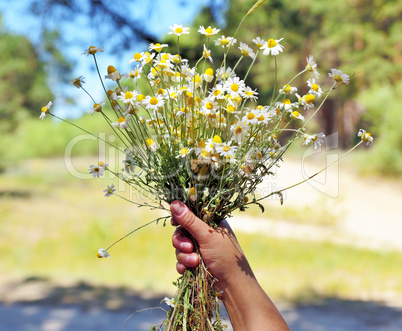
{"points": [[196, 133]]}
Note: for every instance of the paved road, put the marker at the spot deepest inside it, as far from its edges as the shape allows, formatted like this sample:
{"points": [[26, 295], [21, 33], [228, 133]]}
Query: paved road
{"points": [[332, 315]]}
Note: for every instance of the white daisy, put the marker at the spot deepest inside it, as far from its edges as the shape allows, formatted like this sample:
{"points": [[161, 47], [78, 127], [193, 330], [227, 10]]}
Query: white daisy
{"points": [[339, 77], [109, 190], [102, 253], [272, 47], [315, 140], [208, 31], [246, 50], [45, 110], [225, 41], [365, 136], [312, 66], [179, 29]]}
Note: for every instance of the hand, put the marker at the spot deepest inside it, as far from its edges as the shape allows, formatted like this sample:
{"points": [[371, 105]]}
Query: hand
{"points": [[247, 304]]}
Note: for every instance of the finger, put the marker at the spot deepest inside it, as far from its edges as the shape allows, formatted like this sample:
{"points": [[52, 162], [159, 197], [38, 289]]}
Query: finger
{"points": [[183, 216], [182, 243], [189, 260], [180, 268]]}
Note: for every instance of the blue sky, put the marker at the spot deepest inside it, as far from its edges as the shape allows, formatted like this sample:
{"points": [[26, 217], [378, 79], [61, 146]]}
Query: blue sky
{"points": [[17, 19]]}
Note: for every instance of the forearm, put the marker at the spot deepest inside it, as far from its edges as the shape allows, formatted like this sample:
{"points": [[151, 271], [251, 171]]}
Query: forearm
{"points": [[249, 308]]}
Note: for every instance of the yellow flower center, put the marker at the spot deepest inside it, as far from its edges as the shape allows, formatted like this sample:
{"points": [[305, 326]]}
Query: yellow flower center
{"points": [[184, 151], [366, 137], [128, 95], [309, 98], [161, 91], [157, 47], [178, 30], [192, 191], [137, 57], [295, 114], [209, 31], [244, 52], [261, 118], [250, 116], [238, 130], [287, 89], [97, 107], [209, 72], [217, 140], [121, 120], [234, 87], [315, 87], [338, 78], [153, 101], [201, 144], [92, 50], [209, 105], [96, 169], [140, 97], [271, 43], [150, 142], [111, 70], [286, 102], [217, 92], [226, 148], [230, 108], [224, 42]]}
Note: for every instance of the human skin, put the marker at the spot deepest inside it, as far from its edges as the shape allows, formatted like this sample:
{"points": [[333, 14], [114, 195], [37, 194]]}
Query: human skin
{"points": [[248, 306]]}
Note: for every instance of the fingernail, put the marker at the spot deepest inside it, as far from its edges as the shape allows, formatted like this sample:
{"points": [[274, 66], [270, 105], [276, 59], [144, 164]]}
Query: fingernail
{"points": [[178, 208]]}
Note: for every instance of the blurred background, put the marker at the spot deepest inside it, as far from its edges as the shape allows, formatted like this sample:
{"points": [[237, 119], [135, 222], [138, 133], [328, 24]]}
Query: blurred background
{"points": [[331, 256]]}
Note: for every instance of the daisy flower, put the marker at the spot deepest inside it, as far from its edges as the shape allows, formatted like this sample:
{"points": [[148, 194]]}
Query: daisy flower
{"points": [[339, 77], [122, 122], [312, 66], [207, 54], [129, 162], [306, 100], [250, 94], [96, 170], [246, 50], [45, 110], [208, 75], [315, 140], [251, 117], [286, 104], [234, 86], [136, 73], [272, 47], [287, 89], [208, 31], [153, 103], [259, 42], [152, 145], [184, 152], [179, 29], [169, 302], [365, 136], [192, 193], [109, 190], [113, 74], [97, 107], [157, 47], [296, 115], [77, 82], [315, 89], [102, 253], [225, 41], [129, 97], [239, 130], [225, 74], [93, 50]]}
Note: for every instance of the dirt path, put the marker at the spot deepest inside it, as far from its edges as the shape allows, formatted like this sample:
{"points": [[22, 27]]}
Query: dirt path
{"points": [[367, 209]]}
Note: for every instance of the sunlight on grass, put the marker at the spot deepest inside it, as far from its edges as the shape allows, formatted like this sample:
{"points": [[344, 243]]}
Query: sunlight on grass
{"points": [[52, 225]]}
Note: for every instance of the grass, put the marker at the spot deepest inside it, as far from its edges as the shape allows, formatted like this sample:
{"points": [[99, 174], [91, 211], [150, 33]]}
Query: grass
{"points": [[52, 225]]}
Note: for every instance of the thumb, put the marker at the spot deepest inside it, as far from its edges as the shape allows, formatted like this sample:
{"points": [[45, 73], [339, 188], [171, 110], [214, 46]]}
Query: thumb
{"points": [[184, 217]]}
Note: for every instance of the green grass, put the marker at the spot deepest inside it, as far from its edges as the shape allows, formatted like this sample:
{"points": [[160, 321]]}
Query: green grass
{"points": [[52, 225]]}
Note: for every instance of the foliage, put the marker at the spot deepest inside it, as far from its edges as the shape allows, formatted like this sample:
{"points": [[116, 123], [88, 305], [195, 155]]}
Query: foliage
{"points": [[362, 35]]}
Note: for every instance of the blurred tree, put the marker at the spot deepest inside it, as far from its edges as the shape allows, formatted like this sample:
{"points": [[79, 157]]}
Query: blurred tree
{"points": [[23, 81], [116, 20], [360, 37]]}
